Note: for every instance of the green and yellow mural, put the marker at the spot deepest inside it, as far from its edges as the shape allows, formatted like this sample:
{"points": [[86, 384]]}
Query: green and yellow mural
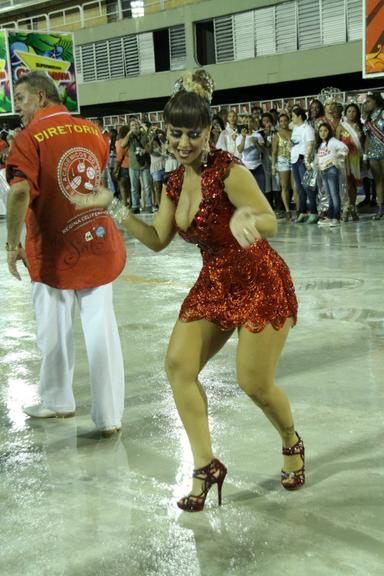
{"points": [[24, 51]]}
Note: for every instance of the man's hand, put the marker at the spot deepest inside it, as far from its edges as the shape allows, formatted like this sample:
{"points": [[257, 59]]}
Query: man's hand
{"points": [[13, 256]]}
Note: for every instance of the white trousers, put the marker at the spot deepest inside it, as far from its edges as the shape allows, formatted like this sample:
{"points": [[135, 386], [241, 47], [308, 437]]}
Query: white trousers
{"points": [[55, 311]]}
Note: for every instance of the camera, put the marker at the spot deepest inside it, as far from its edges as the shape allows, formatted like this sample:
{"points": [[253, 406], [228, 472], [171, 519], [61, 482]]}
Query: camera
{"points": [[242, 127]]}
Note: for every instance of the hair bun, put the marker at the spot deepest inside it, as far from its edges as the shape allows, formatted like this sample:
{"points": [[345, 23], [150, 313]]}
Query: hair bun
{"points": [[198, 81]]}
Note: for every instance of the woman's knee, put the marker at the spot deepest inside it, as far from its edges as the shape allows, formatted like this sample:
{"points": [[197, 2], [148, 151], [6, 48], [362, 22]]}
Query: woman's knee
{"points": [[178, 367], [257, 388]]}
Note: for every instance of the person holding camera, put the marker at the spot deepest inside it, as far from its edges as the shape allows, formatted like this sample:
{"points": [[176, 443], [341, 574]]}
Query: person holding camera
{"points": [[250, 146], [137, 143]]}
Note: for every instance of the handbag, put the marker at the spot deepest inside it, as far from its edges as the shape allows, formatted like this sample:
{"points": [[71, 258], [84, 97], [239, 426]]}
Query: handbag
{"points": [[309, 179]]}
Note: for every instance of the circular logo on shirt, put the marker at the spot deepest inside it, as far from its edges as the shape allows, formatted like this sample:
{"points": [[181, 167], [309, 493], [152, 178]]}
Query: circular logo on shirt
{"points": [[78, 171]]}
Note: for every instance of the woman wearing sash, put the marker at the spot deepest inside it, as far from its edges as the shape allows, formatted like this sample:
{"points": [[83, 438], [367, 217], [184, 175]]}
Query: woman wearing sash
{"points": [[350, 133], [374, 146]]}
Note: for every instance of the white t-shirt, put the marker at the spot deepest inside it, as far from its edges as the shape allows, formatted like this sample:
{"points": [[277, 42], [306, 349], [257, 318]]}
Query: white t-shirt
{"points": [[227, 141], [251, 155], [301, 136], [330, 152]]}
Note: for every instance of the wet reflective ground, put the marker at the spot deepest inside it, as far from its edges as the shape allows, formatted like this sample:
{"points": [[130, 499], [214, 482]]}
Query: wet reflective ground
{"points": [[73, 504]]}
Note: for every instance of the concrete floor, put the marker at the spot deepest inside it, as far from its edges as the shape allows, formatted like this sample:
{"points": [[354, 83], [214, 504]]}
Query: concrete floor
{"points": [[73, 504]]}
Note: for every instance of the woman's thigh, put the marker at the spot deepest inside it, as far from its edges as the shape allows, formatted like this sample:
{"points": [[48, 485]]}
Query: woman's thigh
{"points": [[258, 355], [192, 344]]}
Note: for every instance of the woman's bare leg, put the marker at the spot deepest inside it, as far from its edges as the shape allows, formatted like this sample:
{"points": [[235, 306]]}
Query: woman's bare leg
{"points": [[191, 345], [257, 358], [285, 181]]}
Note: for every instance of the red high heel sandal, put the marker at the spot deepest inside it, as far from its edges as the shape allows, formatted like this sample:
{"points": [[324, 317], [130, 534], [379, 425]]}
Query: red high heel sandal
{"points": [[294, 480], [214, 473]]}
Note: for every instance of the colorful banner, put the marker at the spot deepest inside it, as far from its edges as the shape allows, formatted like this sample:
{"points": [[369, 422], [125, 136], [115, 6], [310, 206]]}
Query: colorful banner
{"points": [[373, 39], [52, 53], [5, 80]]}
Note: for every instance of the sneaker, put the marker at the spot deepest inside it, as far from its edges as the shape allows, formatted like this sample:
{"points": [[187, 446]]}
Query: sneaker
{"points": [[313, 218], [301, 218], [108, 432], [135, 210], [324, 222], [334, 223], [39, 411], [147, 210]]}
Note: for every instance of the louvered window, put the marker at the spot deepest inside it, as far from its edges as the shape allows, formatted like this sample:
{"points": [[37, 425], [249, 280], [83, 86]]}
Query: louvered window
{"points": [[333, 19], [309, 24], [78, 62], [354, 19], [244, 35], [88, 62], [265, 31], [116, 58], [131, 56], [177, 47], [102, 60], [223, 29], [286, 28], [146, 53]]}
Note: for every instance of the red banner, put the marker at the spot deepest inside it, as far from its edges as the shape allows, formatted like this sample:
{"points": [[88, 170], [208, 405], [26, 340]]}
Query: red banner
{"points": [[373, 44]]}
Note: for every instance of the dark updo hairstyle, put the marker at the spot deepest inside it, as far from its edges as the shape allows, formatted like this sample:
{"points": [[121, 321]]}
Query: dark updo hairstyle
{"points": [[377, 98], [297, 111], [189, 105], [330, 134]]}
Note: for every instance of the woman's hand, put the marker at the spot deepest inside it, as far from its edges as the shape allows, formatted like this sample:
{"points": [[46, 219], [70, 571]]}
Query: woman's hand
{"points": [[100, 198], [243, 226]]}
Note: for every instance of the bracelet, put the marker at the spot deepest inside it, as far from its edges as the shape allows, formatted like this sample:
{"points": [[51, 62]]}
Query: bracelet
{"points": [[10, 248], [365, 157], [118, 211]]}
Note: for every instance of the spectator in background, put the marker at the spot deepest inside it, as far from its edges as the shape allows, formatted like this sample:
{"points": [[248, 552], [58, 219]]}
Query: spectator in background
{"points": [[330, 156], [228, 137], [316, 113], [121, 168], [303, 142], [250, 147], [374, 145], [281, 160], [350, 133], [216, 130], [158, 154], [137, 144]]}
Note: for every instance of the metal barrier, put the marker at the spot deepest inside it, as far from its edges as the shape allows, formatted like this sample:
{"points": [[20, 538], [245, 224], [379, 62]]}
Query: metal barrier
{"points": [[90, 14]]}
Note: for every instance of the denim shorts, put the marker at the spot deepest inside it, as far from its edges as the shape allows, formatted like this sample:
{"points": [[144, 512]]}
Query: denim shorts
{"points": [[158, 176], [283, 165]]}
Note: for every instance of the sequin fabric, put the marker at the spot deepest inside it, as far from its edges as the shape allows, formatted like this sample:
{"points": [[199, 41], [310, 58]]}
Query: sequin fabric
{"points": [[236, 287], [375, 146]]}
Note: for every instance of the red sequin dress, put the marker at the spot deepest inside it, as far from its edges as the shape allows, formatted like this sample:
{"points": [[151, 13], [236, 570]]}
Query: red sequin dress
{"points": [[237, 286]]}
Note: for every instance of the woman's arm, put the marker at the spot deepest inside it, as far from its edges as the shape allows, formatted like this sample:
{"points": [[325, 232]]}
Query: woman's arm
{"points": [[254, 217], [275, 145], [241, 145], [159, 234], [155, 236]]}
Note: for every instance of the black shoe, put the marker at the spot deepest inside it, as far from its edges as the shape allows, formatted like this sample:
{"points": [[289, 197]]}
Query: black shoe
{"points": [[135, 210]]}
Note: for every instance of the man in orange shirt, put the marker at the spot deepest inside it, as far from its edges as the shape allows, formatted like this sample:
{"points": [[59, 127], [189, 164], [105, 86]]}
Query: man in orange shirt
{"points": [[121, 167], [72, 256]]}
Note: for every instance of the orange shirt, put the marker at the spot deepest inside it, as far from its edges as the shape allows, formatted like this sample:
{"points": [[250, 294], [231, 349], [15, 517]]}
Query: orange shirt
{"points": [[121, 154], [66, 248]]}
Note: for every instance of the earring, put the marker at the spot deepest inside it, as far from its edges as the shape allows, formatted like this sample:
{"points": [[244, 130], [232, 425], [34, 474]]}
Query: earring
{"points": [[206, 151]]}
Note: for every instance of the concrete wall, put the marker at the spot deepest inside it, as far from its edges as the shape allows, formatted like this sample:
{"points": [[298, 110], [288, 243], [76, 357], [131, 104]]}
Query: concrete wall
{"points": [[299, 65]]}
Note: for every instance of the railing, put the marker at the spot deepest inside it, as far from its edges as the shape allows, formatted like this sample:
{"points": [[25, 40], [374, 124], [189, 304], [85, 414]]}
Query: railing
{"points": [[90, 14], [242, 108]]}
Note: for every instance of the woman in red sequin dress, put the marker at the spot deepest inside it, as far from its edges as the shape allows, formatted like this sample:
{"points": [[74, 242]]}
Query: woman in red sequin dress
{"points": [[244, 285]]}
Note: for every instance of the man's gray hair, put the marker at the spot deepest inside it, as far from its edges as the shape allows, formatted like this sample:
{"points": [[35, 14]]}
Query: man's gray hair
{"points": [[39, 80]]}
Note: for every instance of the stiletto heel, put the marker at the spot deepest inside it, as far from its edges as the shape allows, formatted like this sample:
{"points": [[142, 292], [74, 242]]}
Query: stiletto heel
{"points": [[294, 480], [214, 473]]}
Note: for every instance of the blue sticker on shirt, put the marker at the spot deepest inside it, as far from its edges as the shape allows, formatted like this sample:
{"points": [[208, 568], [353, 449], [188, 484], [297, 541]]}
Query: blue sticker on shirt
{"points": [[100, 232]]}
